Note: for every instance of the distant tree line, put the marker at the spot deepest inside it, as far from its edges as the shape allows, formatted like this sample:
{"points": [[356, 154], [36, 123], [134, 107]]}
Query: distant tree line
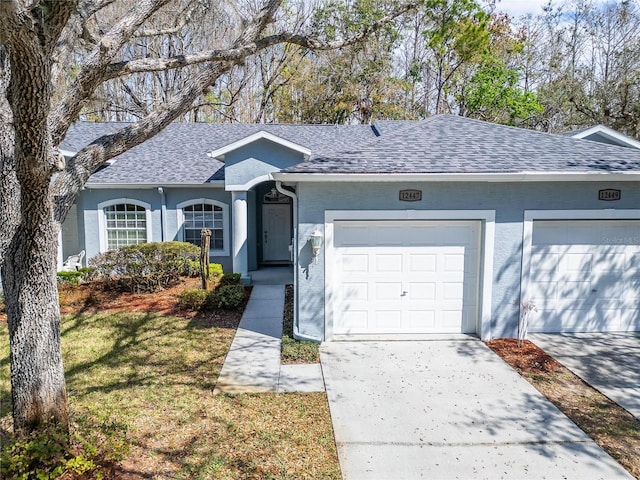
{"points": [[574, 64]]}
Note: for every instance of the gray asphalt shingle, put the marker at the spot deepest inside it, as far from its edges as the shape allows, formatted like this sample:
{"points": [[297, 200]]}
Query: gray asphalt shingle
{"points": [[452, 144], [178, 154], [440, 144]]}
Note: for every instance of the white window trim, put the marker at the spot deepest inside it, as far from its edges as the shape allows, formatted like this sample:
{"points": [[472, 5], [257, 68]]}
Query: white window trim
{"points": [[487, 239], [224, 252], [102, 223], [530, 216]]}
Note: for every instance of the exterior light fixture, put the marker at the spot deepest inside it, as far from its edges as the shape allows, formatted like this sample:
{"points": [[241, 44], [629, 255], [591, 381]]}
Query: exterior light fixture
{"points": [[316, 242]]}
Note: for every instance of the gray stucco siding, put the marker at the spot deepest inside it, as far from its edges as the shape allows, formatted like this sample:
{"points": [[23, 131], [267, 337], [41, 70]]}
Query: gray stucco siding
{"points": [[91, 198], [508, 200], [257, 159]]}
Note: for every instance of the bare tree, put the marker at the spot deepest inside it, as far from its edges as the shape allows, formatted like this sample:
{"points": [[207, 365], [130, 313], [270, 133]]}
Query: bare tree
{"points": [[41, 97]]}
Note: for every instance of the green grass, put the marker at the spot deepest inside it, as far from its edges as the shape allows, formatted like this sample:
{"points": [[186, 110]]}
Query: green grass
{"points": [[295, 351], [156, 374]]}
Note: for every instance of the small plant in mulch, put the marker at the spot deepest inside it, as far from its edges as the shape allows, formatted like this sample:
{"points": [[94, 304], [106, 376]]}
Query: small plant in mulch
{"points": [[523, 355]]}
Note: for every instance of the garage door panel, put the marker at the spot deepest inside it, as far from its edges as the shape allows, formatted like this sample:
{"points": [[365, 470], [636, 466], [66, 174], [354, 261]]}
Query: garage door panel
{"points": [[545, 263], [386, 263], [596, 282], [633, 261], [409, 286], [355, 263], [387, 319], [606, 287], [576, 262], [538, 291], [452, 319], [355, 291], [453, 291], [423, 262], [610, 262], [575, 290], [454, 262], [421, 320], [631, 319], [355, 320], [422, 290], [388, 290]]}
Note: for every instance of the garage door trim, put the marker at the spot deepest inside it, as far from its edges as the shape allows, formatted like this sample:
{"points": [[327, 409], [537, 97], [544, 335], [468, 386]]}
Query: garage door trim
{"points": [[530, 216], [487, 219]]}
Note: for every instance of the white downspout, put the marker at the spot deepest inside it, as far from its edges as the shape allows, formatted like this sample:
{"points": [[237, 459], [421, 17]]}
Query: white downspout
{"points": [[296, 330], [163, 214]]}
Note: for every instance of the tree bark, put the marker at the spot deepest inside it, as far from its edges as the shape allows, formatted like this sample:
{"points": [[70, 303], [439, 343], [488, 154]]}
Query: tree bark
{"points": [[38, 389]]}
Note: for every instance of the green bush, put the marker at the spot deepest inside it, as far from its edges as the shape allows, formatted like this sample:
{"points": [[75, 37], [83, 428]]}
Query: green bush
{"points": [[228, 297], [52, 453], [195, 299], [73, 277], [193, 269], [145, 267], [230, 279]]}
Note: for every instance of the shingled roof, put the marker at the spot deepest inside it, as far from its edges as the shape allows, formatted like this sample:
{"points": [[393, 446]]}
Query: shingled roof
{"points": [[452, 144], [443, 144], [178, 154]]}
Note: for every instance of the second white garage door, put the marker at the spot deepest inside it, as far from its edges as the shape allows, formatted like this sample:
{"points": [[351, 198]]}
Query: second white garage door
{"points": [[394, 277], [585, 276]]}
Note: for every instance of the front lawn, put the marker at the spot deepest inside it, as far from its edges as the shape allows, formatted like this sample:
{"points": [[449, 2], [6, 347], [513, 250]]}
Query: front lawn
{"points": [[155, 373]]}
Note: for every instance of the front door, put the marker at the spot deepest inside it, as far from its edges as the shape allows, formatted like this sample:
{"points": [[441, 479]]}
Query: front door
{"points": [[276, 232]]}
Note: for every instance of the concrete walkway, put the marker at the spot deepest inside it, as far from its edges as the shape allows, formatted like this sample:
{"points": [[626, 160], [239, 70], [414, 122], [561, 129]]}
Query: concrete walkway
{"points": [[448, 410], [609, 362], [252, 364]]}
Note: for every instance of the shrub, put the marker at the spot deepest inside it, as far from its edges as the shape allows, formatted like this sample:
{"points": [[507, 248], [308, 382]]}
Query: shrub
{"points": [[70, 278], [74, 277], [195, 299], [230, 279], [52, 453], [145, 267], [193, 269], [228, 297]]}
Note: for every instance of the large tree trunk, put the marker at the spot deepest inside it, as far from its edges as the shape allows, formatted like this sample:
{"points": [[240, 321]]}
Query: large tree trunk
{"points": [[38, 388]]}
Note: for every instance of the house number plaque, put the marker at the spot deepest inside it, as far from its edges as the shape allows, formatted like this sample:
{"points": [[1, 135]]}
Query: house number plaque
{"points": [[609, 194], [410, 195]]}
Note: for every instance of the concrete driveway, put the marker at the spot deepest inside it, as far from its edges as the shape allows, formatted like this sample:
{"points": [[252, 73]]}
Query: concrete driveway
{"points": [[609, 362], [448, 409]]}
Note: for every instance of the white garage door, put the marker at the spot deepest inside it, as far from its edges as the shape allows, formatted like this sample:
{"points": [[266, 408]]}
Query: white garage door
{"points": [[585, 276], [405, 276]]}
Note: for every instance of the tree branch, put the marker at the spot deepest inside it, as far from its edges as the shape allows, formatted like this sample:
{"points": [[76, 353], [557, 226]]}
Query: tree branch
{"points": [[92, 73], [184, 18], [145, 65]]}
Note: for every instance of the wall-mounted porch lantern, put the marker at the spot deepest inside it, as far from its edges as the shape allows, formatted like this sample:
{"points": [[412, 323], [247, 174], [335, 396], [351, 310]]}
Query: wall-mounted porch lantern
{"points": [[316, 242]]}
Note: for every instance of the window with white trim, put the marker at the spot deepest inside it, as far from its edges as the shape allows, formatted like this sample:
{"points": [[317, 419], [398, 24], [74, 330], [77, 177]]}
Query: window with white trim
{"points": [[125, 224], [204, 214]]}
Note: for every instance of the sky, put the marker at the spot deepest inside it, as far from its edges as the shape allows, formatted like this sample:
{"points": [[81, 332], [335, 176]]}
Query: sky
{"points": [[517, 8]]}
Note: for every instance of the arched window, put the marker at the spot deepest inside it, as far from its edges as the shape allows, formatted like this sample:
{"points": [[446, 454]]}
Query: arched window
{"points": [[124, 222], [203, 213]]}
